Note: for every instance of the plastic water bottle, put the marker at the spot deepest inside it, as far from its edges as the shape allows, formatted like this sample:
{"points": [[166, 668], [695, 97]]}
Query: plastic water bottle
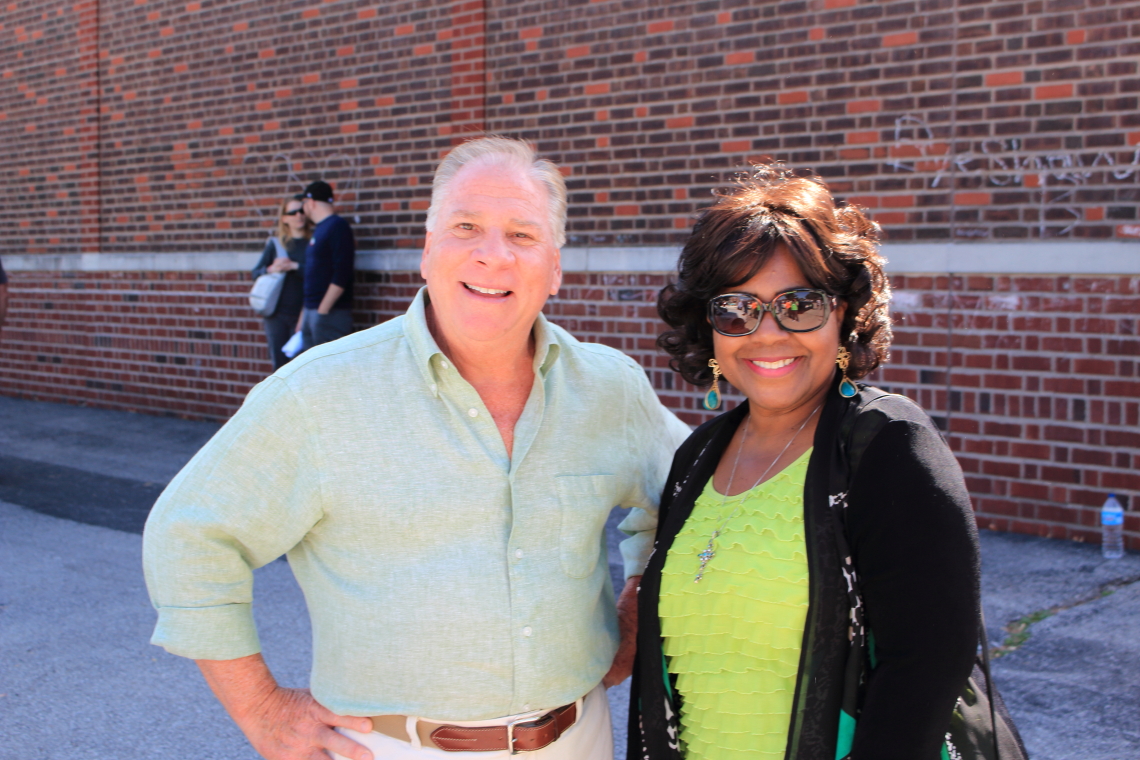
{"points": [[1112, 528]]}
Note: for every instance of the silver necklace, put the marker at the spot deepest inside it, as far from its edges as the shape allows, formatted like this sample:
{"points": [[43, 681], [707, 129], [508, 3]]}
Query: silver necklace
{"points": [[710, 551]]}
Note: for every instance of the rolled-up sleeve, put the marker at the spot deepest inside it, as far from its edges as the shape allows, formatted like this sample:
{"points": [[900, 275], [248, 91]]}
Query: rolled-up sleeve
{"points": [[250, 495], [654, 433]]}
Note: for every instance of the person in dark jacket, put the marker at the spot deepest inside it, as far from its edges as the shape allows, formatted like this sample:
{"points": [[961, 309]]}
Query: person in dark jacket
{"points": [[818, 511], [293, 231], [330, 266]]}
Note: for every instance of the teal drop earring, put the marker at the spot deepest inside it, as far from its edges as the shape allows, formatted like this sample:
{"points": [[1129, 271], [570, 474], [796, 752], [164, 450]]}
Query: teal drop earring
{"points": [[847, 388], [712, 398]]}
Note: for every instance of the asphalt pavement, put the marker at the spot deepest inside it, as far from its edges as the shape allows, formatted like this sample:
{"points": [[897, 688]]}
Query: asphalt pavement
{"points": [[78, 678]]}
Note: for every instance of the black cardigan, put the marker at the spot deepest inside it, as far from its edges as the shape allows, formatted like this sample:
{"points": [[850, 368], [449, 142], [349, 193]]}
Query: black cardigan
{"points": [[911, 530]]}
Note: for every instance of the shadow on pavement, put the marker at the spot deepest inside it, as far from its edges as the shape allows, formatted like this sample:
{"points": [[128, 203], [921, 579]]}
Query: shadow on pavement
{"points": [[118, 503]]}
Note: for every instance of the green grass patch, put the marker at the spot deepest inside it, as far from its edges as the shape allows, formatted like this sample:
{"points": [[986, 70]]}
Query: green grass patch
{"points": [[1018, 631]]}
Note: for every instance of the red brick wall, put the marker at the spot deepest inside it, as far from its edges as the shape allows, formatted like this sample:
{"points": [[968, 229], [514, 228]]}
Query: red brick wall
{"points": [[182, 343], [174, 126], [1041, 400], [49, 125], [1039, 391], [1002, 120], [948, 119], [201, 115]]}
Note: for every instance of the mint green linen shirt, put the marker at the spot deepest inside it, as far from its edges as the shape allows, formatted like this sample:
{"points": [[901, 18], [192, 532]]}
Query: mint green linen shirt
{"points": [[443, 578]]}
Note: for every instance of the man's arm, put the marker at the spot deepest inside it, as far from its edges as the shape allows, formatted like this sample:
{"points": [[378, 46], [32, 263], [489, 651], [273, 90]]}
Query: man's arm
{"points": [[340, 241], [622, 667], [334, 292], [654, 433], [281, 724], [246, 498], [658, 433]]}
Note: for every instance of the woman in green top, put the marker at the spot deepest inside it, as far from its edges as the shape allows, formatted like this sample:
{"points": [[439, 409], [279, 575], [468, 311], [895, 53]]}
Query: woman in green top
{"points": [[744, 607]]}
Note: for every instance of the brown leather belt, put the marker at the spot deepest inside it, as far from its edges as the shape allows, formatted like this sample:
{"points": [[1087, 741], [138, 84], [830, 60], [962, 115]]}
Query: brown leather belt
{"points": [[517, 737]]}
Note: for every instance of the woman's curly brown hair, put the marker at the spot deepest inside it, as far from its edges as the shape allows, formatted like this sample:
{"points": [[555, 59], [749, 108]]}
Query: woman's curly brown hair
{"points": [[836, 247]]}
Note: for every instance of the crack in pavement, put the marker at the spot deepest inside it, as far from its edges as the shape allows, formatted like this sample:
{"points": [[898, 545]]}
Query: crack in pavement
{"points": [[1018, 631]]}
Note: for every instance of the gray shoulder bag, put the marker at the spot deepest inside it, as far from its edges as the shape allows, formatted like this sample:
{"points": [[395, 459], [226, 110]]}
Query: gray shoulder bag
{"points": [[267, 288]]}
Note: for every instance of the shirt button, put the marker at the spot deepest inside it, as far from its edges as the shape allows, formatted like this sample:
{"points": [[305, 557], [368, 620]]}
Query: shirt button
{"points": [[526, 708], [527, 631], [434, 387], [443, 363], [518, 553], [472, 412]]}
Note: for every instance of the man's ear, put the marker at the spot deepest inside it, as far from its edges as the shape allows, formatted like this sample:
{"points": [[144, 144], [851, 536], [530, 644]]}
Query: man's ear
{"points": [[556, 279], [423, 258]]}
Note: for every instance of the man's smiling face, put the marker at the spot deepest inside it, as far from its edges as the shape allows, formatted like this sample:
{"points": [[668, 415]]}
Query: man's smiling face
{"points": [[490, 261]]}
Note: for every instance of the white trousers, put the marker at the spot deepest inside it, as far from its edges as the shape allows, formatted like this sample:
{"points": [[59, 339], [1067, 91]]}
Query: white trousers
{"points": [[590, 738]]}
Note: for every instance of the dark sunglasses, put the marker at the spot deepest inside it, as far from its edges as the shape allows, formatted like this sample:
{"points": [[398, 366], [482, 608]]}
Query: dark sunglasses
{"points": [[294, 212], [799, 310]]}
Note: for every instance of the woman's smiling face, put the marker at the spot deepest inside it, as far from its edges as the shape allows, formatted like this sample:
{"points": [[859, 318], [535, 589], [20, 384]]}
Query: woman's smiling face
{"points": [[779, 371]]}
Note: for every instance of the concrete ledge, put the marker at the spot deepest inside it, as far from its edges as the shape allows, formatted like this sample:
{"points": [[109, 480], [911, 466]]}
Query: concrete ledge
{"points": [[1070, 257], [395, 260], [1055, 257], [131, 262]]}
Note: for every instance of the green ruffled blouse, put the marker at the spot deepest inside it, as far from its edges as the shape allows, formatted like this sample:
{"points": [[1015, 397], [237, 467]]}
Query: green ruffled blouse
{"points": [[733, 640]]}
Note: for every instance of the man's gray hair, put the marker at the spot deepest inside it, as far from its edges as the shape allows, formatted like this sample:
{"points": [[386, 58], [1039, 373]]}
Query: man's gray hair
{"points": [[508, 152]]}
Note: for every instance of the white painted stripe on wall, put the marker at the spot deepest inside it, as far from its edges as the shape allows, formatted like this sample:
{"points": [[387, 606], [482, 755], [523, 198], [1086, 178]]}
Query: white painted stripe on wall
{"points": [[1109, 257], [397, 260], [131, 262], [1068, 257]]}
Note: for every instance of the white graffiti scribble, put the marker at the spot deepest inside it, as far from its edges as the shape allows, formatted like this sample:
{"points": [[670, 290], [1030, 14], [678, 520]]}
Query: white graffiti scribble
{"points": [[1005, 163], [268, 177]]}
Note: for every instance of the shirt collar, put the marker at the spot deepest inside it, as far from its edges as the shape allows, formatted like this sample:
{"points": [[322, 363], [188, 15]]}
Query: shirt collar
{"points": [[428, 356]]}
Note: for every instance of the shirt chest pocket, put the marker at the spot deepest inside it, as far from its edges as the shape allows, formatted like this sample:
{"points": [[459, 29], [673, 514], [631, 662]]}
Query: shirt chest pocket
{"points": [[585, 502]]}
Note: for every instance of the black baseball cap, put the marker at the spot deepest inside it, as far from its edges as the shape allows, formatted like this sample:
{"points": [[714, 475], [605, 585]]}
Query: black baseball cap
{"points": [[319, 190]]}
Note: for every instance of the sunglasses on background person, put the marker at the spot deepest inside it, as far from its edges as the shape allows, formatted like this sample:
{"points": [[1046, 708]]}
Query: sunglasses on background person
{"points": [[294, 212], [798, 310]]}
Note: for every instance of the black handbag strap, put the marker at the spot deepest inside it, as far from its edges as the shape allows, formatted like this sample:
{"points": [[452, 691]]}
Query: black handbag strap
{"points": [[984, 640]]}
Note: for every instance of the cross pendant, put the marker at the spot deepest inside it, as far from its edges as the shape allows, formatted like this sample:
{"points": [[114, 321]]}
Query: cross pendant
{"points": [[706, 556]]}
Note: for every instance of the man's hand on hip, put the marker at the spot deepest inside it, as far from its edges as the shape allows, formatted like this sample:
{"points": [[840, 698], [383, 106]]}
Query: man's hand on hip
{"points": [[281, 724], [622, 667]]}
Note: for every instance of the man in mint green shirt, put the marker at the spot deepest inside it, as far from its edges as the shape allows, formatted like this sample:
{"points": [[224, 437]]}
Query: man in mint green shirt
{"points": [[440, 484]]}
